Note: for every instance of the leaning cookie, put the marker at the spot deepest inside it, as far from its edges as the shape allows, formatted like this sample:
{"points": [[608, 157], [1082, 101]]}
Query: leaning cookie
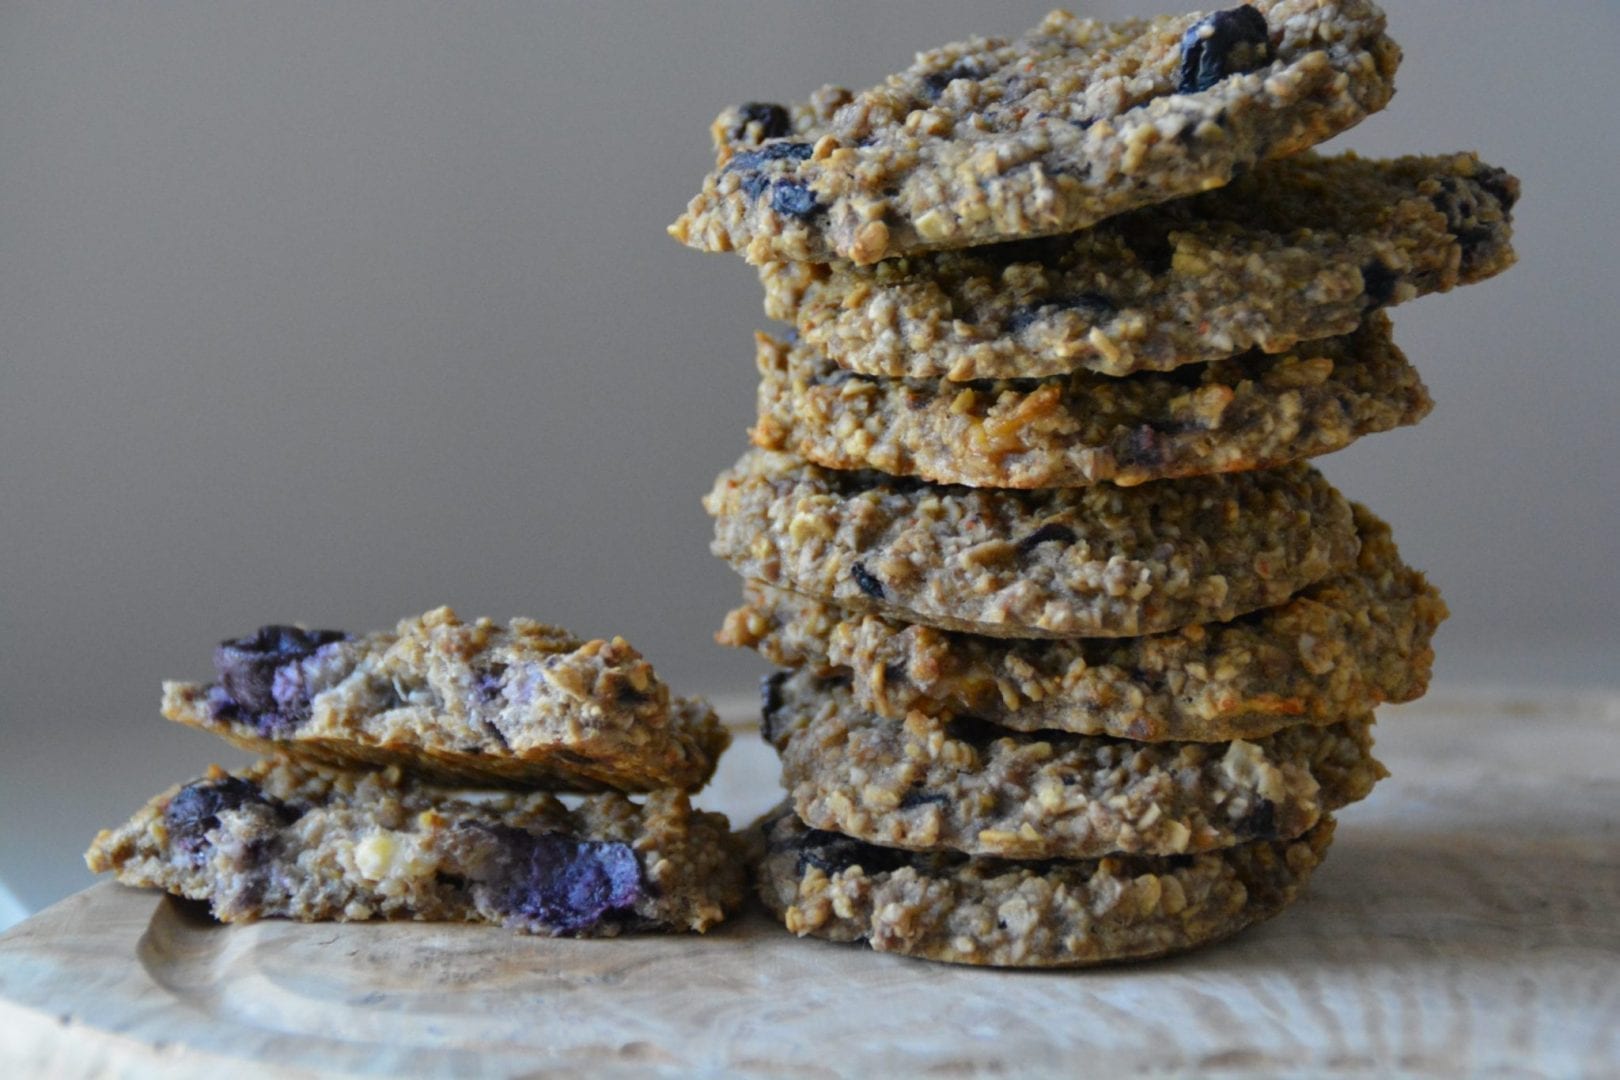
{"points": [[1000, 913], [1339, 648], [929, 783], [1299, 250], [287, 840], [525, 705], [990, 140], [1084, 562], [1253, 411]]}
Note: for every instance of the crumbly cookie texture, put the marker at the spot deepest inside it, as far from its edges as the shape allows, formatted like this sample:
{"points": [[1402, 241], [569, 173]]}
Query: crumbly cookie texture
{"points": [[525, 705], [1254, 411], [1102, 561], [1000, 913], [1339, 648], [991, 140], [285, 839], [1298, 250], [939, 783]]}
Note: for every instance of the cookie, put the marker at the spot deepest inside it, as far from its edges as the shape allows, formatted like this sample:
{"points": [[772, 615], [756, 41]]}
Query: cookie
{"points": [[999, 913], [526, 705], [1338, 648], [931, 783], [1101, 561], [990, 140], [1254, 411], [1300, 249], [289, 840]]}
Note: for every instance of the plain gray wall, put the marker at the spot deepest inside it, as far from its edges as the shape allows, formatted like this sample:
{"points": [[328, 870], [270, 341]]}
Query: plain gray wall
{"points": [[334, 312]]}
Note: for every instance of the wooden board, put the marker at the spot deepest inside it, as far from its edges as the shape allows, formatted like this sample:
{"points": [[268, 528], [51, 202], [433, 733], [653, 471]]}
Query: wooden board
{"points": [[1468, 920]]}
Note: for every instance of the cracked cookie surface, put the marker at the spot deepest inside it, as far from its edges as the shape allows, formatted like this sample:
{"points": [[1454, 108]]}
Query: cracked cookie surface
{"points": [[1299, 250], [1001, 913], [524, 705], [930, 783], [284, 839], [1084, 562], [1338, 648], [1254, 411], [989, 140]]}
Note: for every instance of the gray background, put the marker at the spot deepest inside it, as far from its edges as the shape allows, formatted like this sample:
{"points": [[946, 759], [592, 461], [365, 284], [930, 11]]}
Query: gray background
{"points": [[332, 313]]}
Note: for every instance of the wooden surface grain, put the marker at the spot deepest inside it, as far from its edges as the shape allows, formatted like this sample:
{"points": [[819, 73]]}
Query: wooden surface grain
{"points": [[1467, 921]]}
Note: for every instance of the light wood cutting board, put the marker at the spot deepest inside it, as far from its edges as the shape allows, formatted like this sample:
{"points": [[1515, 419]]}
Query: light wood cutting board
{"points": [[1467, 920]]}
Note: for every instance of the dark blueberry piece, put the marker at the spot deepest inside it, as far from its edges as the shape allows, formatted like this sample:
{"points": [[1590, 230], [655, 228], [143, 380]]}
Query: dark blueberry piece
{"points": [[868, 581], [833, 853], [247, 665], [755, 183], [974, 731], [935, 84], [195, 809], [1051, 532], [1499, 185], [770, 702], [773, 120], [919, 797], [1260, 823], [780, 151], [795, 199], [1092, 305], [1222, 44], [562, 884], [488, 683], [1378, 283]]}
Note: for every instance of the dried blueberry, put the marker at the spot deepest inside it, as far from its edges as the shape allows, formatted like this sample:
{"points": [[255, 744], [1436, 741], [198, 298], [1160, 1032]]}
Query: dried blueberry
{"points": [[1378, 283], [754, 184], [770, 703], [1051, 532], [1260, 823], [1224, 43], [868, 581], [263, 679], [558, 883], [935, 84], [833, 853], [1092, 305], [781, 151], [920, 797], [487, 683], [795, 199], [773, 120], [195, 809]]}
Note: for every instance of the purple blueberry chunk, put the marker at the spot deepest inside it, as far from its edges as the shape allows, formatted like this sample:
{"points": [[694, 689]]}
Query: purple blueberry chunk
{"points": [[832, 853], [563, 885], [263, 678], [795, 199], [868, 581], [1222, 44], [195, 810], [773, 120], [781, 151]]}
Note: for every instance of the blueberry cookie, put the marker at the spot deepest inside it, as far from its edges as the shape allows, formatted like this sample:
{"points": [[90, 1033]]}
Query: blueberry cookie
{"points": [[290, 840], [1253, 411], [999, 913], [1338, 648], [1298, 250], [525, 705], [990, 140], [934, 783], [1101, 561]]}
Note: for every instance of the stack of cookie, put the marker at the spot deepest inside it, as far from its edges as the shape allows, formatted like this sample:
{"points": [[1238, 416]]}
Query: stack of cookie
{"points": [[359, 808], [1084, 654]]}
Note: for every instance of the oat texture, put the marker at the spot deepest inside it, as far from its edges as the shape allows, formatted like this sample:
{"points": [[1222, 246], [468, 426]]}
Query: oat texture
{"points": [[1254, 411], [523, 705], [1000, 913], [930, 783], [1102, 561], [1339, 648], [284, 839], [1300, 249], [990, 140]]}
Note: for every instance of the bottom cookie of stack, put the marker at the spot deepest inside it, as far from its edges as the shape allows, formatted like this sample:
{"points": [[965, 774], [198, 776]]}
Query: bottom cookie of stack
{"points": [[996, 912]]}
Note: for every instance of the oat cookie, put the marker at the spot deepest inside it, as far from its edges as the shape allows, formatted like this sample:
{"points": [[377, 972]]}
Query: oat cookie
{"points": [[284, 839], [1000, 913], [991, 140], [525, 705], [1298, 250], [1254, 411], [1086, 562], [1339, 648], [931, 783]]}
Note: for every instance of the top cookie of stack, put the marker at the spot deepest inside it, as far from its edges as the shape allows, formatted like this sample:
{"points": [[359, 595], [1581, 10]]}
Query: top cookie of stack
{"points": [[1088, 653]]}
